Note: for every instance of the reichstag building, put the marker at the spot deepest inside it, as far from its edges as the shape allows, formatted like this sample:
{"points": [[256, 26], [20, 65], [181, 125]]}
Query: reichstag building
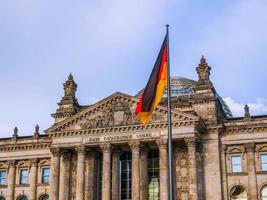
{"points": [[102, 152]]}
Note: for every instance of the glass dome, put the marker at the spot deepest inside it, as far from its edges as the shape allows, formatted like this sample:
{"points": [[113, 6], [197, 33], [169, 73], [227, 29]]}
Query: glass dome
{"points": [[181, 86]]}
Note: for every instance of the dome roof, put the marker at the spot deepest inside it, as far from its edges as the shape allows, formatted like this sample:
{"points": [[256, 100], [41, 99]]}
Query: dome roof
{"points": [[181, 86]]}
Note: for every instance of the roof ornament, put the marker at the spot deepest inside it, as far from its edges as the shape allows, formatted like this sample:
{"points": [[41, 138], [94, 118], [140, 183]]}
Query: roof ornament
{"points": [[36, 132], [203, 70], [247, 113], [68, 105], [15, 134]]}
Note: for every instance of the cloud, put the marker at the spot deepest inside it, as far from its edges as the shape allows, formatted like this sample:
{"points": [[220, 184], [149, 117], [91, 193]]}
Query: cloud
{"points": [[258, 107]]}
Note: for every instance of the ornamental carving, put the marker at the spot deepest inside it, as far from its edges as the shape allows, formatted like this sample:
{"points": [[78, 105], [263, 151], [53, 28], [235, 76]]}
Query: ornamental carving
{"points": [[33, 162], [162, 143], [11, 163], [250, 147], [191, 141], [115, 114], [134, 145], [106, 148], [55, 151], [80, 149]]}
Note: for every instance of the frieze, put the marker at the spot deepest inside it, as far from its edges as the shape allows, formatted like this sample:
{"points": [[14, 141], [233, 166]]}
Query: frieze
{"points": [[23, 147], [124, 137]]}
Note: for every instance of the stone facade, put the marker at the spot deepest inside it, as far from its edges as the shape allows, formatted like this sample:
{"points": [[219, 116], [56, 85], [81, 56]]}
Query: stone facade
{"points": [[215, 155]]}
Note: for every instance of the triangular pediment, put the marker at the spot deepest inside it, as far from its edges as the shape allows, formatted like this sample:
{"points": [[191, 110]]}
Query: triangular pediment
{"points": [[235, 149], [113, 111]]}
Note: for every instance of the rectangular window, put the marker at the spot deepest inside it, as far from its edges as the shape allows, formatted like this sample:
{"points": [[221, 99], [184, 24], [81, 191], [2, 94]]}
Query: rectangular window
{"points": [[46, 175], [264, 162], [24, 176], [236, 163], [3, 175]]}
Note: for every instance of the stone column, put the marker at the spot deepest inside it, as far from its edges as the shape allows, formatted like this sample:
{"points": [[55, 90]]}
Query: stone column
{"points": [[33, 179], [191, 143], [89, 175], [11, 179], [106, 148], [54, 180], [80, 172], [144, 174], [163, 168], [224, 172], [135, 147], [64, 184], [115, 174], [252, 177]]}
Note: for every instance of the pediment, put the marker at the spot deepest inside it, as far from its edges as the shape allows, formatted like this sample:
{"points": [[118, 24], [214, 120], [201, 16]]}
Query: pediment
{"points": [[3, 165], [44, 162], [113, 111], [23, 164], [262, 148], [235, 149]]}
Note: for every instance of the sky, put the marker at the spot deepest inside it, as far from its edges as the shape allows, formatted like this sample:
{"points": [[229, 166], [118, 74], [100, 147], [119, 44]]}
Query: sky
{"points": [[112, 45]]}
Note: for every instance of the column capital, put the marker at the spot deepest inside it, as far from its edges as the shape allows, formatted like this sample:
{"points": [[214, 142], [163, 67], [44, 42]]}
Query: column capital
{"points": [[191, 141], [66, 154], [250, 147], [80, 149], [55, 151], [11, 163], [162, 143], [223, 148], [106, 147], [34, 162], [134, 144]]}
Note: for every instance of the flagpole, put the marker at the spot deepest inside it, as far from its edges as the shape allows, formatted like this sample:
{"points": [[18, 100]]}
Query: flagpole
{"points": [[170, 151]]}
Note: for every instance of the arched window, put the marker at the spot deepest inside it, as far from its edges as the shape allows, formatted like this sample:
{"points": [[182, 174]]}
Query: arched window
{"points": [[264, 193], [2, 198], [44, 197], [238, 193], [23, 198]]}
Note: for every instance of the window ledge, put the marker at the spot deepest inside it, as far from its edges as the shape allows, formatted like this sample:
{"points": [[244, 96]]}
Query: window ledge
{"points": [[43, 184], [262, 172], [237, 174], [23, 185], [3, 186]]}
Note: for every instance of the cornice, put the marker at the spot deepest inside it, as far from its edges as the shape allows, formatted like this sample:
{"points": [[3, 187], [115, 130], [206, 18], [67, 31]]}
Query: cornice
{"points": [[245, 129], [23, 147], [117, 129]]}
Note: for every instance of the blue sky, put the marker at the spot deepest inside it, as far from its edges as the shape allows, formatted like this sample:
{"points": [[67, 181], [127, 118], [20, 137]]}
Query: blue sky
{"points": [[111, 46]]}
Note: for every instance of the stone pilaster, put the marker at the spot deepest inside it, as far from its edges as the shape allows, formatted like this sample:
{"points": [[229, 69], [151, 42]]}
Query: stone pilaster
{"points": [[80, 172], [64, 186], [224, 172], [163, 168], [54, 182], [144, 174], [115, 174], [252, 178], [89, 175], [135, 147], [191, 143], [106, 148], [33, 179], [11, 179]]}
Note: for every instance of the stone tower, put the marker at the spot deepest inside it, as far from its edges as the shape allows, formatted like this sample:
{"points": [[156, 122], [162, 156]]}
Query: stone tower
{"points": [[68, 106]]}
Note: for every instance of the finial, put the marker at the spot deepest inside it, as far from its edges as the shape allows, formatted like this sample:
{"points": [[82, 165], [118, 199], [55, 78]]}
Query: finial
{"points": [[247, 113], [15, 134], [203, 60], [70, 77], [36, 133], [16, 130], [37, 129]]}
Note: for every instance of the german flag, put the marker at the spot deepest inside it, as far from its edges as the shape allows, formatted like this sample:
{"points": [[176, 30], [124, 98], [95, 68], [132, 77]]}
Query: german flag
{"points": [[155, 87]]}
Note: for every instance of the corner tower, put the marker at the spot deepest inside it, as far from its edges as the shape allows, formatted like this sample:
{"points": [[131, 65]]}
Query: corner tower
{"points": [[68, 106]]}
